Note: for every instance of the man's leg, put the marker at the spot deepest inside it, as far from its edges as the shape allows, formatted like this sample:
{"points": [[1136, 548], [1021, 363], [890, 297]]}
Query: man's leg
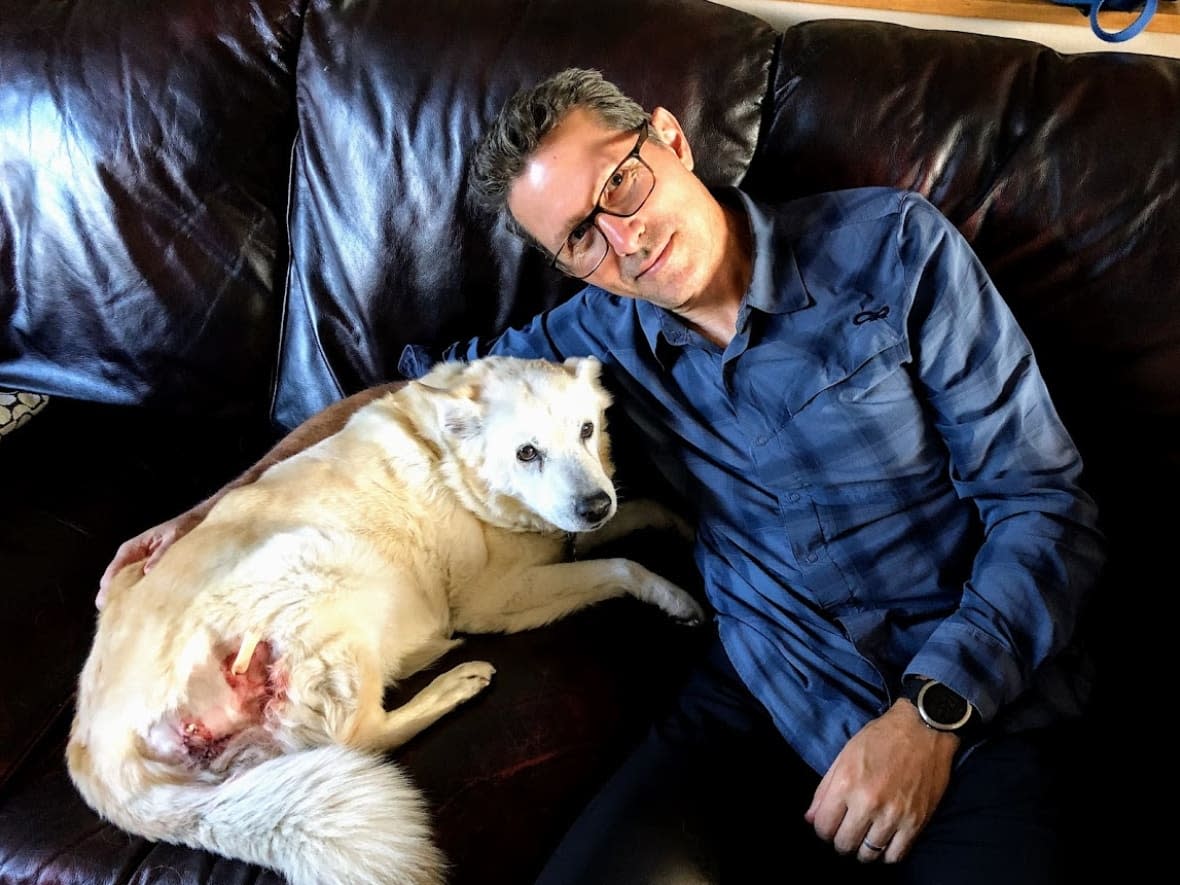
{"points": [[1003, 818], [713, 794]]}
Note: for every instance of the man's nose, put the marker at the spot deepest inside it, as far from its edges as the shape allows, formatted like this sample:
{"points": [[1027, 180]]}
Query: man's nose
{"points": [[622, 234]]}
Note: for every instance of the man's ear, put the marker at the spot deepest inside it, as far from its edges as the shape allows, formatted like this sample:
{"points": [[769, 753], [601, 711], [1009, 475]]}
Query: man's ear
{"points": [[671, 133]]}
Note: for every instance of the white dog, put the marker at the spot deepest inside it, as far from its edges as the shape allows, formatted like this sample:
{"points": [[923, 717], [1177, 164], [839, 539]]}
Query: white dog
{"points": [[233, 697]]}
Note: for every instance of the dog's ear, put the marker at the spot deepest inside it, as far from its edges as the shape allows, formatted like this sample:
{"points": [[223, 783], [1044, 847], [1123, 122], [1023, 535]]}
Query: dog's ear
{"points": [[462, 414], [458, 408], [461, 424], [587, 367]]}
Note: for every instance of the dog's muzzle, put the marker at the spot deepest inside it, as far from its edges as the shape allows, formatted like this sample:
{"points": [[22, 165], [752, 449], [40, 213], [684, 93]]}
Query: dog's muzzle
{"points": [[594, 508]]}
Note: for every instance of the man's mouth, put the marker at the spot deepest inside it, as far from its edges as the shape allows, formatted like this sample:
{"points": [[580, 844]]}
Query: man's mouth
{"points": [[656, 261]]}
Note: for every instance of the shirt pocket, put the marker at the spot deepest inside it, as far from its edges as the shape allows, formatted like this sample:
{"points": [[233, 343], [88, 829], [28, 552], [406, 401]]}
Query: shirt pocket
{"points": [[856, 347]]}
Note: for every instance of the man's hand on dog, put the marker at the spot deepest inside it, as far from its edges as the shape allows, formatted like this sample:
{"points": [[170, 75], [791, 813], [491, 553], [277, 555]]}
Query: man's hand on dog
{"points": [[148, 546]]}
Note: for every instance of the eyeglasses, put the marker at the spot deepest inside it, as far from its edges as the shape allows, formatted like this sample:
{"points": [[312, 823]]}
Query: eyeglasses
{"points": [[624, 193]]}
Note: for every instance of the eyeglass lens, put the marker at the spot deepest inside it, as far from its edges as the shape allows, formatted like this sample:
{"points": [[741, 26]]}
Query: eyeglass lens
{"points": [[623, 195]]}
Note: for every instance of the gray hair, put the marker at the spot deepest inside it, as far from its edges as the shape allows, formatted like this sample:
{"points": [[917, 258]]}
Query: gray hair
{"points": [[530, 115]]}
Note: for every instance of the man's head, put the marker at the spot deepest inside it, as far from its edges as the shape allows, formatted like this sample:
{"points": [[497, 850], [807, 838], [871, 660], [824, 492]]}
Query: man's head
{"points": [[525, 121], [603, 188]]}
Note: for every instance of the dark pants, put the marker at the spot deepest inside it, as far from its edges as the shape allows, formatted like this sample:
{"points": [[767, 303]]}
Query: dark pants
{"points": [[714, 794]]}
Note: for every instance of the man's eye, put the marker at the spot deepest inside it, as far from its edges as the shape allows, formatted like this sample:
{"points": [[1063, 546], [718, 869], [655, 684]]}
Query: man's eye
{"points": [[527, 453], [579, 234], [621, 186], [587, 430]]}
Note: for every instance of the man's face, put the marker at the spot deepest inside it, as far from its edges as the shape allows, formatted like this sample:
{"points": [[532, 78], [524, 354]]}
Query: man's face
{"points": [[668, 251]]}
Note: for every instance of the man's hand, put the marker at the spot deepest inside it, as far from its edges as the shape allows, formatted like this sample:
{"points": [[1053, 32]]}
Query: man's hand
{"points": [[883, 787], [148, 546]]}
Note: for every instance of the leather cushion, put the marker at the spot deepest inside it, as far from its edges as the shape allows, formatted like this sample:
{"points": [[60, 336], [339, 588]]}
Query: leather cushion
{"points": [[393, 93], [144, 151]]}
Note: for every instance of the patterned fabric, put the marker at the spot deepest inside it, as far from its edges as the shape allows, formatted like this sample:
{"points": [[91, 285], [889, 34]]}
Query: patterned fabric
{"points": [[882, 482], [17, 408]]}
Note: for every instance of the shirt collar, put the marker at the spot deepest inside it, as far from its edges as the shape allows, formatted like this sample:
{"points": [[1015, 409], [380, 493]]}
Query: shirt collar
{"points": [[775, 284]]}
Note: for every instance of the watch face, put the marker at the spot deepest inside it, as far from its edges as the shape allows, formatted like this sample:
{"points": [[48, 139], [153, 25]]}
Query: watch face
{"points": [[942, 708]]}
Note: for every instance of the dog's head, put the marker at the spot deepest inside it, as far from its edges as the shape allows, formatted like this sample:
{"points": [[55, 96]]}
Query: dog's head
{"points": [[525, 441]]}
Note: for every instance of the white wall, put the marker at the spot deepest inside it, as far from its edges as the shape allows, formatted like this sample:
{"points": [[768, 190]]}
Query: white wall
{"points": [[1064, 38]]}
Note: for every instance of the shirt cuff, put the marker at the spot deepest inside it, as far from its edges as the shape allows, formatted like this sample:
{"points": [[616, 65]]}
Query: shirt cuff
{"points": [[414, 362]]}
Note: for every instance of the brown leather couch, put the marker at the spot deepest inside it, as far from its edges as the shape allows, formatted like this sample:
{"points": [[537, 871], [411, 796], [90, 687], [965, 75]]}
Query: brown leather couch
{"points": [[216, 218]]}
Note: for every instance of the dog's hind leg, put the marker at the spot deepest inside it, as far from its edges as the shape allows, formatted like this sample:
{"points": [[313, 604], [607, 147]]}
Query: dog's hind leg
{"points": [[378, 729], [221, 723]]}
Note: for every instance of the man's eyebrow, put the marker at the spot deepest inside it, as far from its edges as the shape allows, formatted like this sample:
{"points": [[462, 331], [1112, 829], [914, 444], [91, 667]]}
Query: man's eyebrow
{"points": [[572, 222]]}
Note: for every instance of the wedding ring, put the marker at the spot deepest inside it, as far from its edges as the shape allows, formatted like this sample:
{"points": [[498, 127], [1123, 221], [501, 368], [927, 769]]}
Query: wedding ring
{"points": [[871, 846]]}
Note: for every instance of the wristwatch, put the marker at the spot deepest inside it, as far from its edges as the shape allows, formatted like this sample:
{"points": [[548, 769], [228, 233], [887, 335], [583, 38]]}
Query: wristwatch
{"points": [[941, 707]]}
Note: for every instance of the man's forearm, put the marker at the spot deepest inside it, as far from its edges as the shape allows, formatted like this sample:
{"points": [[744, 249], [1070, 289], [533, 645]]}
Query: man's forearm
{"points": [[318, 427]]}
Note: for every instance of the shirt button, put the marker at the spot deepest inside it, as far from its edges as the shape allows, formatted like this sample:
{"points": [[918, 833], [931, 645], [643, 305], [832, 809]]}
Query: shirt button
{"points": [[813, 557], [793, 497]]}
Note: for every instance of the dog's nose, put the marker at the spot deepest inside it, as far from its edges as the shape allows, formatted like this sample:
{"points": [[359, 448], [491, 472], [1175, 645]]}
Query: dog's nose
{"points": [[594, 508]]}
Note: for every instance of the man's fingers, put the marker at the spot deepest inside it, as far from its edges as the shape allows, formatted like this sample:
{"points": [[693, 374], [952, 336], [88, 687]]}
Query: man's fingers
{"points": [[155, 551], [817, 798], [147, 546], [104, 582], [113, 566], [900, 844], [127, 553]]}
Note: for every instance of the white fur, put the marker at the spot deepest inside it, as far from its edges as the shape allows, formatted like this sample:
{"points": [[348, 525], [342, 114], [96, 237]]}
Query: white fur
{"points": [[232, 699]]}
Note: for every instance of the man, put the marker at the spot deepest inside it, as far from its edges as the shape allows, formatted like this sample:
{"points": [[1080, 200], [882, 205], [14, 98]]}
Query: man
{"points": [[890, 528]]}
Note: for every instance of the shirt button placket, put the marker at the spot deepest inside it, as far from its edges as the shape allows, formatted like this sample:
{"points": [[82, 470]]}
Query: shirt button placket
{"points": [[801, 525]]}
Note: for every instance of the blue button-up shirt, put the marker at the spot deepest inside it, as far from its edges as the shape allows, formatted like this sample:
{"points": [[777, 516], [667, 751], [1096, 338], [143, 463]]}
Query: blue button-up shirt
{"points": [[882, 484]]}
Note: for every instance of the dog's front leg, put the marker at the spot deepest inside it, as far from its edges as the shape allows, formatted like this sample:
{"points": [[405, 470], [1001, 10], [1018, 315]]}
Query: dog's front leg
{"points": [[542, 594], [632, 516]]}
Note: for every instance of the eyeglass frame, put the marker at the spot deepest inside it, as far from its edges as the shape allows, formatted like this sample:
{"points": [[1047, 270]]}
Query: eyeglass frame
{"points": [[643, 130]]}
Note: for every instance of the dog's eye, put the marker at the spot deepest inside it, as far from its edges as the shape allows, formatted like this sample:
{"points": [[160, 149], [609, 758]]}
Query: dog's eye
{"points": [[526, 453], [587, 430]]}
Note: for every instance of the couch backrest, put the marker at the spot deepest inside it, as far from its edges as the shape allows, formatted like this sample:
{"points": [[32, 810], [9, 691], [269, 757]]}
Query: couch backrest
{"points": [[211, 205], [393, 93], [1064, 173], [144, 150]]}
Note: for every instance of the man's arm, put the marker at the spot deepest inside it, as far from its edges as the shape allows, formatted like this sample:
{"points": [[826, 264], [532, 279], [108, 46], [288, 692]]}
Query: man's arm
{"points": [[1040, 554], [534, 340], [1042, 551], [150, 545]]}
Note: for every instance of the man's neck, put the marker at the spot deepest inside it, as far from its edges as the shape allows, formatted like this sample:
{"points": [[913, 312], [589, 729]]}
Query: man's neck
{"points": [[714, 313]]}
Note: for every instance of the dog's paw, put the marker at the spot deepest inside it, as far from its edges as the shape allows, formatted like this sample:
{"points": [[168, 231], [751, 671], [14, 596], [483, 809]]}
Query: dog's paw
{"points": [[686, 611], [461, 683], [677, 603]]}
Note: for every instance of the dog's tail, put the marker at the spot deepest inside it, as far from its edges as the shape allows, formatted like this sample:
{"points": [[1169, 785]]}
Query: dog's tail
{"points": [[325, 816]]}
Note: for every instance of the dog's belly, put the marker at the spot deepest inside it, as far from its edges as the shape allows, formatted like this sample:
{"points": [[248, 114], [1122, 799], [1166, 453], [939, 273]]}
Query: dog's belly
{"points": [[227, 719], [276, 634]]}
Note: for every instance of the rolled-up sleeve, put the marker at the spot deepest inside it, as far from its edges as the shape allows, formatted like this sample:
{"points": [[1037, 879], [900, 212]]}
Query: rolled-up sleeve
{"points": [[1010, 454]]}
